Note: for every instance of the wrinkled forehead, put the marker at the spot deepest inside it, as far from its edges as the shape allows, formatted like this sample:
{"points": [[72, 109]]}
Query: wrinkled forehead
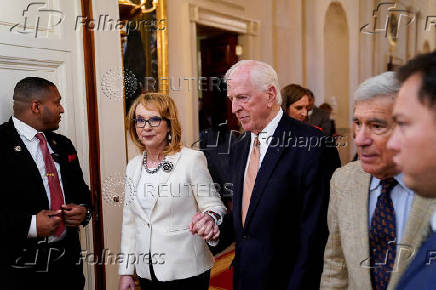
{"points": [[239, 82], [147, 107], [374, 110]]}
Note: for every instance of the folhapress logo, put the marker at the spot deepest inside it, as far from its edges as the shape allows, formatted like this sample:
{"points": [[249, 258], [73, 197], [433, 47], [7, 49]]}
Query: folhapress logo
{"points": [[36, 18]]}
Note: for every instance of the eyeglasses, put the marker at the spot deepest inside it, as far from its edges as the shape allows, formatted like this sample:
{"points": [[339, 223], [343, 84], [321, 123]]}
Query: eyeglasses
{"points": [[153, 122]]}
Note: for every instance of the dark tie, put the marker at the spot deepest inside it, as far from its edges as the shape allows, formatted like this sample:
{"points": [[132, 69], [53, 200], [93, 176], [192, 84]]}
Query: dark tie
{"points": [[56, 196], [382, 237]]}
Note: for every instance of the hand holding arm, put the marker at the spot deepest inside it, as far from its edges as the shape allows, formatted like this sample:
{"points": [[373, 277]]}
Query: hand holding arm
{"points": [[204, 226]]}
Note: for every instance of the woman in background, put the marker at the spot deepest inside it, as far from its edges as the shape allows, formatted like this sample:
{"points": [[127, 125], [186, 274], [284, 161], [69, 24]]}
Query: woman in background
{"points": [[295, 101], [171, 206]]}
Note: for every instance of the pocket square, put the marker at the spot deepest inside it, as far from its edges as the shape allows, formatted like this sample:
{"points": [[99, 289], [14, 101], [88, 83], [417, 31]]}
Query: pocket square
{"points": [[72, 157]]}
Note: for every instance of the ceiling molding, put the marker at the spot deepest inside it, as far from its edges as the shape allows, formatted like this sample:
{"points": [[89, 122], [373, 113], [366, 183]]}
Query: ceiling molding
{"points": [[229, 22]]}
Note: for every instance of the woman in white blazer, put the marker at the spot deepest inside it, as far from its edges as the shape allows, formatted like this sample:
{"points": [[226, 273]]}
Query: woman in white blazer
{"points": [[171, 206]]}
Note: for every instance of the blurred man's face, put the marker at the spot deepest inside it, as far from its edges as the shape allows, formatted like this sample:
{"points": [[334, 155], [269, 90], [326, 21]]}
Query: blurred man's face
{"points": [[251, 105], [414, 139], [372, 127]]}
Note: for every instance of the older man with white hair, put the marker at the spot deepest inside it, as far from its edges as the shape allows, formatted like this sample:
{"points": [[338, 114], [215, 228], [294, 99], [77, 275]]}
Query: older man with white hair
{"points": [[282, 168], [374, 220]]}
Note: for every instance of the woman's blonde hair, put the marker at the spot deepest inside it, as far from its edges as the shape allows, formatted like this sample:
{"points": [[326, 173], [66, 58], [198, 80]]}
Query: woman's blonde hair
{"points": [[168, 111]]}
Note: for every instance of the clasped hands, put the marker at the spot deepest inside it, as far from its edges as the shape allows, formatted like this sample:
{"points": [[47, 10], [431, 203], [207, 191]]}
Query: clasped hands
{"points": [[48, 221], [204, 226]]}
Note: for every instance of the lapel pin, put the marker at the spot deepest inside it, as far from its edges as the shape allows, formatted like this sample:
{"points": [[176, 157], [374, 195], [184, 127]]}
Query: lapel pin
{"points": [[54, 142], [17, 148]]}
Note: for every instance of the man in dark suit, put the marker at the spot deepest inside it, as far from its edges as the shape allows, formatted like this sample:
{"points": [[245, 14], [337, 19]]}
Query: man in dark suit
{"points": [[414, 140], [281, 172], [318, 117], [45, 198]]}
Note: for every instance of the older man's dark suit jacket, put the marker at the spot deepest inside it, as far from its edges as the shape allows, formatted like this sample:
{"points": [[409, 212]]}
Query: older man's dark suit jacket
{"points": [[282, 243], [23, 195]]}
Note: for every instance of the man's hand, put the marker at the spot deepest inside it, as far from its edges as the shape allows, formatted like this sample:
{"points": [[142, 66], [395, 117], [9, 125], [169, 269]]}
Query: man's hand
{"points": [[126, 283], [73, 214], [47, 222], [204, 226]]}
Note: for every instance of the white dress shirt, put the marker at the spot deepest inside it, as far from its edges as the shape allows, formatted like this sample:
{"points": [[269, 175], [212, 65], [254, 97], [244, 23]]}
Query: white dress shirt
{"points": [[402, 199], [265, 138], [148, 190], [433, 222], [27, 134]]}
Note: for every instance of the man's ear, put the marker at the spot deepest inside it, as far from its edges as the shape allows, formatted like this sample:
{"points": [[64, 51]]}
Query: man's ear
{"points": [[35, 106], [271, 93]]}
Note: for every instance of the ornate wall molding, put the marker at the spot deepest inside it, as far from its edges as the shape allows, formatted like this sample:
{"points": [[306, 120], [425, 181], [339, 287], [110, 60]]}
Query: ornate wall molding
{"points": [[223, 21]]}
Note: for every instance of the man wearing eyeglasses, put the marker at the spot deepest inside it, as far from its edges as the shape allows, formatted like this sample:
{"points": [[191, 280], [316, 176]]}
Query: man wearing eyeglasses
{"points": [[373, 217]]}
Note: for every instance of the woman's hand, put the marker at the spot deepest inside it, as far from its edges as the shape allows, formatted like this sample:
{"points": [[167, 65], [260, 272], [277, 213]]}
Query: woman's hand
{"points": [[204, 226], [126, 283]]}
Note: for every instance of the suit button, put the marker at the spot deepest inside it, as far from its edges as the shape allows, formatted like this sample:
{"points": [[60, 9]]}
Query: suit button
{"points": [[244, 237]]}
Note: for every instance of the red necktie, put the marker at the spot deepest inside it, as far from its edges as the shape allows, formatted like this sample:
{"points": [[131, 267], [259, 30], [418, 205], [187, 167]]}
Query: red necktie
{"points": [[56, 195]]}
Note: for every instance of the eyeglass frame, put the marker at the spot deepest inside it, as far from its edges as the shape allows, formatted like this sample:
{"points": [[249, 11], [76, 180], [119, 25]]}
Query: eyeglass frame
{"points": [[149, 122]]}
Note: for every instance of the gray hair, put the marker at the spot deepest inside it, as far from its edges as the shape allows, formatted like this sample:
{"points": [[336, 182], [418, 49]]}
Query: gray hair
{"points": [[262, 75], [385, 84]]}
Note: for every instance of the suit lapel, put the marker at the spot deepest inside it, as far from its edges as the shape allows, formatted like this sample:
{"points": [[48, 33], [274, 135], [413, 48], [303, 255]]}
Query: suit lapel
{"points": [[166, 175], [361, 220], [24, 159], [268, 165], [414, 233]]}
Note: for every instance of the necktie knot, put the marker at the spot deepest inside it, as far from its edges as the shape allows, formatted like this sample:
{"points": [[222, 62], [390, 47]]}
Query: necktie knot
{"points": [[387, 185], [40, 137], [256, 142]]}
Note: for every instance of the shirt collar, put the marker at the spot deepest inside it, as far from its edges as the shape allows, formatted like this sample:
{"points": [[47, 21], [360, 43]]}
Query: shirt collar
{"points": [[24, 129], [433, 221], [268, 131], [375, 182]]}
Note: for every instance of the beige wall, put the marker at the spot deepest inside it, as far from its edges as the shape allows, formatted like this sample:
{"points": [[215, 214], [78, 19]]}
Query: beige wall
{"points": [[278, 42]]}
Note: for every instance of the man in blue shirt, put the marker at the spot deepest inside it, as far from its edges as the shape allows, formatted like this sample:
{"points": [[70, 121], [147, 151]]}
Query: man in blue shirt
{"points": [[373, 217]]}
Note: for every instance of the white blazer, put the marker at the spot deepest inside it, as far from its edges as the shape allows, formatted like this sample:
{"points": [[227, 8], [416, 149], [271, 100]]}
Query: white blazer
{"points": [[175, 252]]}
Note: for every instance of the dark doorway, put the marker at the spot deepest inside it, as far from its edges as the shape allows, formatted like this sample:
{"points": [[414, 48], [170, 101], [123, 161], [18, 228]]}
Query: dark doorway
{"points": [[217, 50]]}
